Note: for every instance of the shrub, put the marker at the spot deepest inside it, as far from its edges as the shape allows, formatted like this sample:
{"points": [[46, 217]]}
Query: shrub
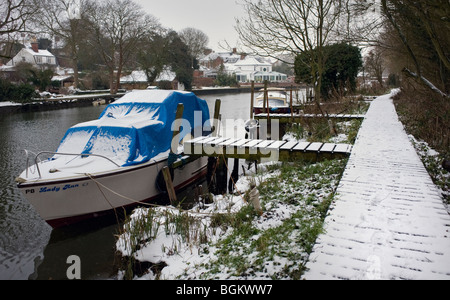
{"points": [[16, 93]]}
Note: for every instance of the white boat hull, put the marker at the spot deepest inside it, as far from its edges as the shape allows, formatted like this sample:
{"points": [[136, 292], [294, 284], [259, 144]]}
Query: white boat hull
{"points": [[64, 201]]}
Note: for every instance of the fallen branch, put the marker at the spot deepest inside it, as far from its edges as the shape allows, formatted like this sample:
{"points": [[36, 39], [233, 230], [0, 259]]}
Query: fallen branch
{"points": [[426, 82]]}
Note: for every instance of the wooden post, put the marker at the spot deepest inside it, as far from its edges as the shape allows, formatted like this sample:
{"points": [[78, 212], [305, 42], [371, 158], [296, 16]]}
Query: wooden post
{"points": [[216, 117], [292, 106], [176, 129], [234, 176], [221, 177], [169, 185], [266, 98], [252, 99]]}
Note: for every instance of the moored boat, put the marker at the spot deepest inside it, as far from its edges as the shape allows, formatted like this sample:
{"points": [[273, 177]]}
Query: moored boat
{"points": [[278, 101], [115, 161]]}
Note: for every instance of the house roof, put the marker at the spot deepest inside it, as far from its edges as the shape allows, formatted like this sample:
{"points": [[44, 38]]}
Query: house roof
{"points": [[140, 76], [39, 53], [251, 61]]}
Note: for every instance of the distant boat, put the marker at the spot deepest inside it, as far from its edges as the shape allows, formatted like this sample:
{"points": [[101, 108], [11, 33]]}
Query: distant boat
{"points": [[278, 101], [113, 161]]}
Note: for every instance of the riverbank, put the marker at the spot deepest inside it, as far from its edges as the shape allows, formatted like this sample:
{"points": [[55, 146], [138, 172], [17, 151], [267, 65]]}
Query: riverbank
{"points": [[53, 103], [234, 237], [84, 99], [45, 104]]}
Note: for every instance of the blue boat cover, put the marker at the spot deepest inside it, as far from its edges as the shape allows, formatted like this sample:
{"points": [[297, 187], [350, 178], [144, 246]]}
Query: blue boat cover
{"points": [[137, 127]]}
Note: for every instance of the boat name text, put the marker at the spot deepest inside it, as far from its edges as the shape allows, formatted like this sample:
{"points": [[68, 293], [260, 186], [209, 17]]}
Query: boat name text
{"points": [[57, 189]]}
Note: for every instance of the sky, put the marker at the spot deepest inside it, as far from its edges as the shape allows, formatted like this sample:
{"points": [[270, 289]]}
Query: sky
{"points": [[216, 18]]}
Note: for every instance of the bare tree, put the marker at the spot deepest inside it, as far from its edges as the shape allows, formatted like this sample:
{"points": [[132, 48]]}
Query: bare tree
{"points": [[360, 22], [118, 27], [14, 15], [196, 40], [65, 19], [275, 27], [375, 64], [426, 15]]}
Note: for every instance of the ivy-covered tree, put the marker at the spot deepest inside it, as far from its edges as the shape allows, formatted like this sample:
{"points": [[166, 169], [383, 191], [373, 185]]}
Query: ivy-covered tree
{"points": [[342, 64], [179, 59]]}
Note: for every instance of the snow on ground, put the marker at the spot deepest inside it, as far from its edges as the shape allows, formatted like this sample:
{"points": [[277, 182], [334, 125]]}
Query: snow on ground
{"points": [[228, 239], [175, 250], [388, 220], [9, 103], [433, 163]]}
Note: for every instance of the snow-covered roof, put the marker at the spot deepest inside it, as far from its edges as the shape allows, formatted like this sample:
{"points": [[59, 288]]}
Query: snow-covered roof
{"points": [[140, 76], [61, 77], [251, 61], [39, 53]]}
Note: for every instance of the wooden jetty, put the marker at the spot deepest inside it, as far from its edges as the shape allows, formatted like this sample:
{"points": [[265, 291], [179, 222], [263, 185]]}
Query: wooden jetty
{"points": [[254, 149], [297, 118]]}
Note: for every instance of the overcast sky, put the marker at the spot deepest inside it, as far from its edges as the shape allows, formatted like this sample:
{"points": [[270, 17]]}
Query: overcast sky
{"points": [[216, 18]]}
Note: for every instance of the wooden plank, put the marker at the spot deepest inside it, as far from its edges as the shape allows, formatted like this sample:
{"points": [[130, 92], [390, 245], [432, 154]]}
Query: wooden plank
{"points": [[189, 145], [197, 139], [264, 144], [328, 147], [198, 146], [228, 142], [253, 143], [219, 148], [207, 140], [314, 147], [217, 141], [342, 148], [239, 143], [276, 145], [301, 146], [289, 145], [209, 147]]}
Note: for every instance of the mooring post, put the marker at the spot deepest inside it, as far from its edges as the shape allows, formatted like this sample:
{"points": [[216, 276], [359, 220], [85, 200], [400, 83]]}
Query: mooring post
{"points": [[216, 117], [252, 99], [169, 185], [221, 177], [292, 106], [176, 129], [234, 175], [266, 98]]}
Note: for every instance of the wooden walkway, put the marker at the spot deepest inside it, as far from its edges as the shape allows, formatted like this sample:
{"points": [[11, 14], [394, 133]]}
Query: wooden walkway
{"points": [[269, 149], [388, 220], [297, 118]]}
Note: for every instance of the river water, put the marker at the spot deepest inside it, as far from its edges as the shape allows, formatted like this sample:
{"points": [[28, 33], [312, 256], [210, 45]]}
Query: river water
{"points": [[31, 249]]}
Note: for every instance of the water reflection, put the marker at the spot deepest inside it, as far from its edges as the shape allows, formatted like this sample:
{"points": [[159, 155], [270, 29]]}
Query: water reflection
{"points": [[23, 234], [29, 248]]}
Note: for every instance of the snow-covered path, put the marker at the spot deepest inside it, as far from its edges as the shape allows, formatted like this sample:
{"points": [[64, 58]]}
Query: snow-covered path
{"points": [[388, 220]]}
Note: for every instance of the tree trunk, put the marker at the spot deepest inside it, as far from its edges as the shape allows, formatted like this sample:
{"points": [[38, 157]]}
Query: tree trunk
{"points": [[75, 72]]}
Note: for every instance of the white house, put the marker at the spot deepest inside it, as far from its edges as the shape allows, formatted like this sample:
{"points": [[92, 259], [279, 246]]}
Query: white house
{"points": [[139, 77], [246, 68], [39, 58], [250, 68]]}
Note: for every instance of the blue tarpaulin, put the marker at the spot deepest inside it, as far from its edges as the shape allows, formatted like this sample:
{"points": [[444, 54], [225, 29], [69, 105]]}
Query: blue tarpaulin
{"points": [[137, 127]]}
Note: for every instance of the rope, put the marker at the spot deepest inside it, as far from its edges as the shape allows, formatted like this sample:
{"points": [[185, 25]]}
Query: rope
{"points": [[99, 184]]}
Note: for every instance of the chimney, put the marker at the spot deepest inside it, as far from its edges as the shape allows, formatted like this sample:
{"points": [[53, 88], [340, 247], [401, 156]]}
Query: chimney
{"points": [[234, 50], [35, 47]]}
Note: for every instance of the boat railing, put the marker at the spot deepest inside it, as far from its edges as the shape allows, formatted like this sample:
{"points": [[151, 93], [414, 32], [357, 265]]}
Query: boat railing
{"points": [[65, 154]]}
